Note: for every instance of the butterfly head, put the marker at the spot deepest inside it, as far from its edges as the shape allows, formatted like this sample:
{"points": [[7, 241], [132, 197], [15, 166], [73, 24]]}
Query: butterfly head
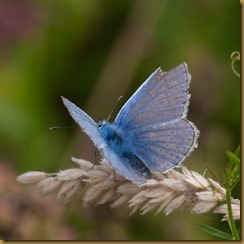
{"points": [[102, 123]]}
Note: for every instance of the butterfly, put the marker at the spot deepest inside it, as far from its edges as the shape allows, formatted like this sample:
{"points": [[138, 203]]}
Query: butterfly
{"points": [[151, 132]]}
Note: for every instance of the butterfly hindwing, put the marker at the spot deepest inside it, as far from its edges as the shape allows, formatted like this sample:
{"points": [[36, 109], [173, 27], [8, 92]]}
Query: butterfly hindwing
{"points": [[166, 145], [123, 168]]}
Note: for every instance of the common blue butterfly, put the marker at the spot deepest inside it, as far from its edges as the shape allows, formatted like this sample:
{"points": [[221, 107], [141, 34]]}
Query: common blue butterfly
{"points": [[151, 132]]}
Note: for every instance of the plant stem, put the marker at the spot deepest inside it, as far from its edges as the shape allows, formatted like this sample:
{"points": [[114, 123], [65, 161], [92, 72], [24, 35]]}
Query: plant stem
{"points": [[231, 219]]}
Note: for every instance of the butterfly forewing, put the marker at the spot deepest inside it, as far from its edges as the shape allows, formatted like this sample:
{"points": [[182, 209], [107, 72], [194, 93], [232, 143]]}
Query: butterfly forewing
{"points": [[162, 98], [86, 123]]}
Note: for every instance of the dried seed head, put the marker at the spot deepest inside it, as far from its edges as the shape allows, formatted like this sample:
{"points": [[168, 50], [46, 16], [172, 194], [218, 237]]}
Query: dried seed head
{"points": [[151, 183], [92, 195], [201, 180], [203, 206], [175, 184], [174, 204], [147, 207], [157, 192], [139, 197], [217, 187], [223, 209], [128, 188], [119, 201], [193, 182], [170, 190], [71, 174], [173, 174], [84, 164], [31, 177], [166, 201], [46, 186], [67, 190], [98, 174], [106, 197]]}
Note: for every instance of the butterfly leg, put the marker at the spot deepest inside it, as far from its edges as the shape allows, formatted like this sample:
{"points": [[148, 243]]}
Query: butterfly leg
{"points": [[114, 175], [97, 157]]}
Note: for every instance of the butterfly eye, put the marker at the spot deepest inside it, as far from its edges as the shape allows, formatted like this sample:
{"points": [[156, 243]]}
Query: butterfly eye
{"points": [[101, 123]]}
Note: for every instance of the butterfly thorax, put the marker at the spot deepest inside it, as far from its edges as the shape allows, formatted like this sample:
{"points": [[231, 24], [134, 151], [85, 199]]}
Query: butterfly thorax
{"points": [[111, 134]]}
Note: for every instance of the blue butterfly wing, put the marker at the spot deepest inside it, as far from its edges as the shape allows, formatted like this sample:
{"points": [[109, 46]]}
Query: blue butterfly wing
{"points": [[86, 123], [167, 145], [162, 98], [121, 168], [156, 117]]}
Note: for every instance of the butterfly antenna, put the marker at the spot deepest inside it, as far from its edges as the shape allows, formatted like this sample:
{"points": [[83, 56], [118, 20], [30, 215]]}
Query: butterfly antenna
{"points": [[114, 108], [61, 127]]}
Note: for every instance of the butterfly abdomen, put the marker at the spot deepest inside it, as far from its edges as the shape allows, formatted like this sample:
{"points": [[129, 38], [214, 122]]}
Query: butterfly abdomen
{"points": [[136, 163]]}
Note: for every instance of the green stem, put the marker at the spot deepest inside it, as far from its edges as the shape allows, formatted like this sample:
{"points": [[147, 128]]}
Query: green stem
{"points": [[231, 219]]}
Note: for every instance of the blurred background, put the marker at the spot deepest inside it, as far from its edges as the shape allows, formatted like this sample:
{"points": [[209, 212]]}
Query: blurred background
{"points": [[92, 52]]}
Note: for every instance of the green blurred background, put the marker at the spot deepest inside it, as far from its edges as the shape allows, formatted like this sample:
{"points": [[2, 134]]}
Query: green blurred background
{"points": [[92, 52]]}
